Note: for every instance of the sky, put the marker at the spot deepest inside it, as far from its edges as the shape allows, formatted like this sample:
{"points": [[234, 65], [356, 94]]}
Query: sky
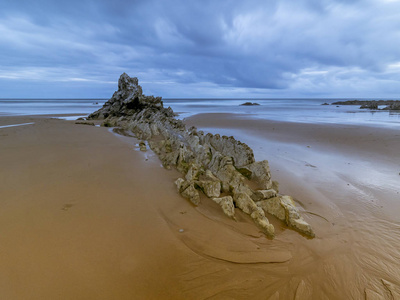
{"points": [[202, 48]]}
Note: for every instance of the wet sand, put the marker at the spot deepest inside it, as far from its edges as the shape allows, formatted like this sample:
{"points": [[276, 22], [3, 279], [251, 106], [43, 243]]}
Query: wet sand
{"points": [[79, 216], [347, 179], [85, 215]]}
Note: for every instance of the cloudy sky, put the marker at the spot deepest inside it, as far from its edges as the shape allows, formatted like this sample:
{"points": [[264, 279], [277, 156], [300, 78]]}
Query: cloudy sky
{"points": [[201, 48]]}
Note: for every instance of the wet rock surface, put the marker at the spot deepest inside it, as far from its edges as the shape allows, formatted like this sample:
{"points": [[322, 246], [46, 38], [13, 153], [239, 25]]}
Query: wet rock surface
{"points": [[220, 167]]}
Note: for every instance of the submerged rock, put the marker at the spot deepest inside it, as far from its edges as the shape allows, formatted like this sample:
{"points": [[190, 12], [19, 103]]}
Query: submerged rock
{"points": [[211, 164]]}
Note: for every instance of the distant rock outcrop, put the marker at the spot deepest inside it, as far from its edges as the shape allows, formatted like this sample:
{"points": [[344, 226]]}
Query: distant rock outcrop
{"points": [[249, 104], [220, 167], [393, 106], [372, 104]]}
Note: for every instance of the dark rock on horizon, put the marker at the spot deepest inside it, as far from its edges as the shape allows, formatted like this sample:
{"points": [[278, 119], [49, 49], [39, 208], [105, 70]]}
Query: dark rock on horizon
{"points": [[366, 102], [249, 104], [373, 104]]}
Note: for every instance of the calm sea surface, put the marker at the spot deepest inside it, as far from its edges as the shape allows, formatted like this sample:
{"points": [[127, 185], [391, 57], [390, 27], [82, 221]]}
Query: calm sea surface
{"points": [[291, 110], [11, 107]]}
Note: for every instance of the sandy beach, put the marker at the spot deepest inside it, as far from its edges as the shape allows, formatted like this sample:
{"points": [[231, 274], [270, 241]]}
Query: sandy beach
{"points": [[86, 215]]}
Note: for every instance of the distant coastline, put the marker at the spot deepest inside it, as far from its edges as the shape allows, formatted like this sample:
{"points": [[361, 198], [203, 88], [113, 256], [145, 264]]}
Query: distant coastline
{"points": [[366, 102], [373, 104]]}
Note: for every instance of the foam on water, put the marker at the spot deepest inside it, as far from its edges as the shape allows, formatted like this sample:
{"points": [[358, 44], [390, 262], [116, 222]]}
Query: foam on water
{"points": [[18, 107]]}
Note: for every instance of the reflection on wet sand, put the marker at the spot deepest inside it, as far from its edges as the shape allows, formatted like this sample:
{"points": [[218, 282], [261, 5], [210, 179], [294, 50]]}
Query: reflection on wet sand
{"points": [[346, 180]]}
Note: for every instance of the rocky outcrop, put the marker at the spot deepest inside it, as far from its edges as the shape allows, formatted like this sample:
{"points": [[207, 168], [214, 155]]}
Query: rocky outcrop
{"points": [[227, 205], [372, 104], [393, 106], [249, 104], [85, 123], [284, 209], [218, 167]]}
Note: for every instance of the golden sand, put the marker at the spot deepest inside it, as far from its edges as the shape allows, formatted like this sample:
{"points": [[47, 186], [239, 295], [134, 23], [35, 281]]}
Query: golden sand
{"points": [[85, 215]]}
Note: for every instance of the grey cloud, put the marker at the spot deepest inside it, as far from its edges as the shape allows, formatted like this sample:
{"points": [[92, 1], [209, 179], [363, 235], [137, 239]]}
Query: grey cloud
{"points": [[259, 45]]}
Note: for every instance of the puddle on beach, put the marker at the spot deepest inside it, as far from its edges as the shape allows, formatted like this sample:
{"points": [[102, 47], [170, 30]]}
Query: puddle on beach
{"points": [[70, 118], [130, 139]]}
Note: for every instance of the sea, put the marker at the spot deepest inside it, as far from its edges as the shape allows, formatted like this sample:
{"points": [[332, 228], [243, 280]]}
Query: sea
{"points": [[288, 110]]}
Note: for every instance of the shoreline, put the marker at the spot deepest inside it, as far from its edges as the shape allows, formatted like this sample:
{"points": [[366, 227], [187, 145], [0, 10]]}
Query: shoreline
{"points": [[88, 197]]}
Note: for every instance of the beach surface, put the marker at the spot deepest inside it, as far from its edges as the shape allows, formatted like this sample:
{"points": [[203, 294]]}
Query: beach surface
{"points": [[86, 215]]}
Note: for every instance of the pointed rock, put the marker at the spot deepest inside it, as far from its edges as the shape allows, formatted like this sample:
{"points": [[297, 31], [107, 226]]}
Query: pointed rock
{"points": [[227, 205]]}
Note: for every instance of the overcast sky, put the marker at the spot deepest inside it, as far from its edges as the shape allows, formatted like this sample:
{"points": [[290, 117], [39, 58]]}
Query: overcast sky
{"points": [[184, 48]]}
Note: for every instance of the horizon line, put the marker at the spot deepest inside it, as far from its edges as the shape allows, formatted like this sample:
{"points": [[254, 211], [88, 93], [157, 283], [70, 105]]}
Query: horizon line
{"points": [[216, 98]]}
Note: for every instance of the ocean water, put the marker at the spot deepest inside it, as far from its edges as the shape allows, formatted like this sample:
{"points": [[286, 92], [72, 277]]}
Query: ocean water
{"points": [[15, 107], [289, 110]]}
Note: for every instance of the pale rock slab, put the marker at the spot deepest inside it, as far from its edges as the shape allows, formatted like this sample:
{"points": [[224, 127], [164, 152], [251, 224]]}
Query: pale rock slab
{"points": [[227, 205]]}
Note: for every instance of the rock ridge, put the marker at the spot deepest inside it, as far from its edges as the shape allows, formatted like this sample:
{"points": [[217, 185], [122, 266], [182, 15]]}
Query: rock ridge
{"points": [[220, 167], [372, 104]]}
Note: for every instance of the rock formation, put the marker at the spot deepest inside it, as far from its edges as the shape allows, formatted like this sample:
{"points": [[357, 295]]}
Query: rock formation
{"points": [[249, 104], [220, 167], [372, 104], [393, 106]]}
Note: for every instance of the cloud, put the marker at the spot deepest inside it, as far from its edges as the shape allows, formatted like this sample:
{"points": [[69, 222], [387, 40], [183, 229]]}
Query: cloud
{"points": [[304, 47]]}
